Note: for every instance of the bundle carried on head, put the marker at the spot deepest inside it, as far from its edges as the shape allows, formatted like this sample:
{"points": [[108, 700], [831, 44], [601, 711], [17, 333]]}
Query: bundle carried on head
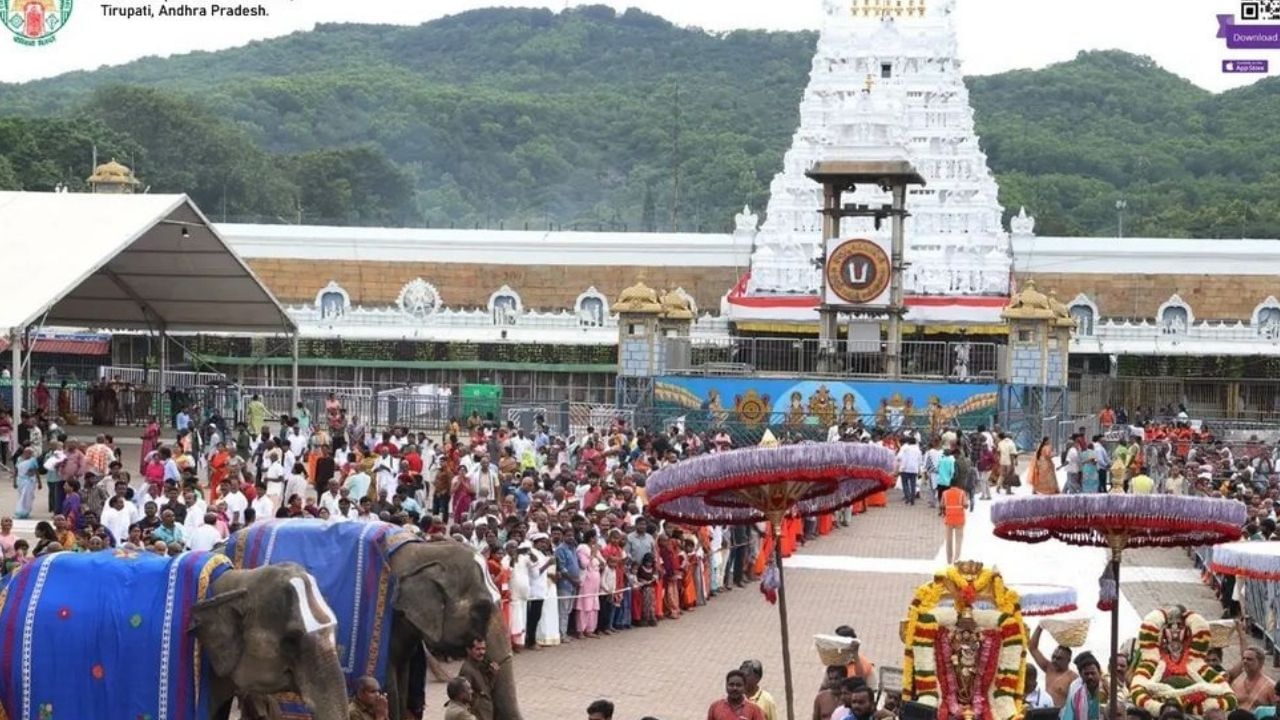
{"points": [[834, 649], [1220, 632], [1069, 632]]}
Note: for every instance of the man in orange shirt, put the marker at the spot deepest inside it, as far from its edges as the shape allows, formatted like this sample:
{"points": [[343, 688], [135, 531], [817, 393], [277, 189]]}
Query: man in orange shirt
{"points": [[735, 705], [954, 502]]}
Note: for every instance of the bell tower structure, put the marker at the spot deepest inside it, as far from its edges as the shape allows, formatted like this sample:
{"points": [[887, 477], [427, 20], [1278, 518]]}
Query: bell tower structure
{"points": [[886, 85]]}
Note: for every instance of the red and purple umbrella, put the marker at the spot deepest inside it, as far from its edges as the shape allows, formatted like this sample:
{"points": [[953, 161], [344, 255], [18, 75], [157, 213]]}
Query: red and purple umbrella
{"points": [[770, 482]]}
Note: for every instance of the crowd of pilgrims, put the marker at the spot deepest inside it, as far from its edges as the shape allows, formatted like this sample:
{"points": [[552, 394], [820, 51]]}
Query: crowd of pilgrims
{"points": [[1174, 456], [559, 519]]}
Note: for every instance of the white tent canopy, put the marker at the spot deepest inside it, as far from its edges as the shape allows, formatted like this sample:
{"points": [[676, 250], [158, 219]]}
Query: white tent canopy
{"points": [[125, 262], [139, 262]]}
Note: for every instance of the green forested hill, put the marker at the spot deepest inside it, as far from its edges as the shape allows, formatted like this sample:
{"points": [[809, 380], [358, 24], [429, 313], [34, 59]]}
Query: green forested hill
{"points": [[587, 116]]}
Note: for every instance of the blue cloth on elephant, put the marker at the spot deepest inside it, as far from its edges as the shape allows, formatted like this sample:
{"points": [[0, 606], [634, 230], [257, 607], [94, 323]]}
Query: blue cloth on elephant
{"points": [[105, 634], [349, 561]]}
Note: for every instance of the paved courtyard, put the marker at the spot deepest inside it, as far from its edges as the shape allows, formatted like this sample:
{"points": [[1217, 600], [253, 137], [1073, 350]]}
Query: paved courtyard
{"points": [[862, 576]]}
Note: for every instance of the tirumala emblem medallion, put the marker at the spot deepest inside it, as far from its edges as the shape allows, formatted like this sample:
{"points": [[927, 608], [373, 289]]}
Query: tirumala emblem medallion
{"points": [[858, 272]]}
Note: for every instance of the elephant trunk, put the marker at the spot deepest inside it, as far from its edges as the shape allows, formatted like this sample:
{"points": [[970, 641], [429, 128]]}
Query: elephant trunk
{"points": [[320, 680], [498, 640]]}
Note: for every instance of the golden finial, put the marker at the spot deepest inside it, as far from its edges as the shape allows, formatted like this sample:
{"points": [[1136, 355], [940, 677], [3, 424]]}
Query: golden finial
{"points": [[897, 8]]}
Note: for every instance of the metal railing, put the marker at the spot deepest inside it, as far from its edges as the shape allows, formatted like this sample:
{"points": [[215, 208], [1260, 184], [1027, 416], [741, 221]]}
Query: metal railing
{"points": [[954, 361], [1226, 398], [151, 376]]}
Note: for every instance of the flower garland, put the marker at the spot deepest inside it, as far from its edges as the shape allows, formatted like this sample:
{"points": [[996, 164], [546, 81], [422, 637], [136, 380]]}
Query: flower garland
{"points": [[1187, 680], [1002, 661], [919, 671]]}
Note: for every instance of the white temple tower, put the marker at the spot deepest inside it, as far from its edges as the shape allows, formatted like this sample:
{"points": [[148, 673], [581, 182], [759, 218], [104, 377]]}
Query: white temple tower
{"points": [[886, 83]]}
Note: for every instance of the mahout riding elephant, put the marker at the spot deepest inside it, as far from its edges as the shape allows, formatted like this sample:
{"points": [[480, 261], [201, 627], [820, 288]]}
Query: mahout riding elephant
{"points": [[120, 634], [390, 591]]}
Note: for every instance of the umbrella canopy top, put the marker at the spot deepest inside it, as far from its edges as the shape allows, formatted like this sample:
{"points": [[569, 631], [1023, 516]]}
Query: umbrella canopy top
{"points": [[1132, 520], [762, 483], [1256, 560], [1035, 600]]}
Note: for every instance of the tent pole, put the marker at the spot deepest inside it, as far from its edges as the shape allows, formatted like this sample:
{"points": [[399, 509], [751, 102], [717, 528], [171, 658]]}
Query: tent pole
{"points": [[25, 362], [297, 392], [163, 385], [15, 349]]}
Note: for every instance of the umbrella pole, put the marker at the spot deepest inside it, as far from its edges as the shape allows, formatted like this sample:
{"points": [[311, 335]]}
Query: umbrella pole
{"points": [[1114, 690], [782, 616]]}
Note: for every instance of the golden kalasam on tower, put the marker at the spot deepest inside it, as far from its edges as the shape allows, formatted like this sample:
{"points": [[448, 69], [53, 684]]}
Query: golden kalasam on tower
{"points": [[638, 298], [1028, 304], [112, 177], [676, 306]]}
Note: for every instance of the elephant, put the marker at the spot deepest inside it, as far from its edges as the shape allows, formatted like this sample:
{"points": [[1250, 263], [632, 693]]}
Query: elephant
{"points": [[445, 599], [117, 633], [436, 593]]}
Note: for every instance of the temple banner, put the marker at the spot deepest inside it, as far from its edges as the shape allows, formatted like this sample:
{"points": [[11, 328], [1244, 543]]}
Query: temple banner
{"points": [[858, 272], [746, 406]]}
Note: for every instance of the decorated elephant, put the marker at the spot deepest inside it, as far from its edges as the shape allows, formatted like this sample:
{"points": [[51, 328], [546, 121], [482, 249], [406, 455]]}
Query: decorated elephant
{"points": [[391, 591], [118, 634]]}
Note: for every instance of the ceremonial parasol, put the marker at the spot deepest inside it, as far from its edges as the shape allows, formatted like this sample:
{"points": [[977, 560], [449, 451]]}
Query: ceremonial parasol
{"points": [[1117, 522], [1252, 560], [1247, 561], [768, 482]]}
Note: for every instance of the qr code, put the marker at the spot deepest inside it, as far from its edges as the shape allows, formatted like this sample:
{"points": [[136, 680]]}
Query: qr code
{"points": [[1260, 10]]}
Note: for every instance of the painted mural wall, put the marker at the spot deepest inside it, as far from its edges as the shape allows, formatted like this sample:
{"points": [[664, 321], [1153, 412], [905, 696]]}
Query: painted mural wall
{"points": [[807, 408]]}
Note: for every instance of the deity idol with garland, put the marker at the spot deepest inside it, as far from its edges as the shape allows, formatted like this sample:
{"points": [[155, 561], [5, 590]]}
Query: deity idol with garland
{"points": [[966, 645], [1171, 667]]}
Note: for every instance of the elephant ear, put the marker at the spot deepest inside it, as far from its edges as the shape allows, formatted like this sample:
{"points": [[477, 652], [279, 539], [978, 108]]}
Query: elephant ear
{"points": [[219, 624], [421, 598]]}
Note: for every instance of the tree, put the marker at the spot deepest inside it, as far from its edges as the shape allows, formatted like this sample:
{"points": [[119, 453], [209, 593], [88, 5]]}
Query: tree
{"points": [[649, 213], [528, 116]]}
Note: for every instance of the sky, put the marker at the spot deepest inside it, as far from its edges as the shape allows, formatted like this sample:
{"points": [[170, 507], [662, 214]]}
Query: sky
{"points": [[994, 35]]}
